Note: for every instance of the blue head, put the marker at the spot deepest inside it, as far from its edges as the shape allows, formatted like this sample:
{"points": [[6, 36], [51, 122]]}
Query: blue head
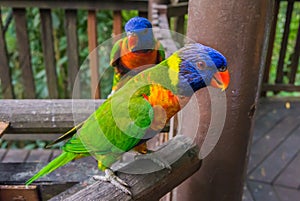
{"points": [[201, 66], [139, 34]]}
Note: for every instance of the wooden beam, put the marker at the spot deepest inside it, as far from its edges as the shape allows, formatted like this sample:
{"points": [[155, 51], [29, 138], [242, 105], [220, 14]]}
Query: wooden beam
{"points": [[284, 42], [117, 24], [94, 61], [48, 51], [3, 127], [180, 152], [280, 87], [5, 75], [141, 5], [24, 52], [242, 39], [271, 44], [177, 10], [295, 58], [45, 116], [72, 51]]}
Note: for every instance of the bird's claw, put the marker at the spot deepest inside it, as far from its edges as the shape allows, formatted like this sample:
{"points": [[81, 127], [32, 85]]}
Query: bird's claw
{"points": [[155, 158], [114, 180]]}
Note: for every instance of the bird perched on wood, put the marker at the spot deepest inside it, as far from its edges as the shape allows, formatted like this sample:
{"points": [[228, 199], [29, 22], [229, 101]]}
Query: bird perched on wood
{"points": [[138, 110], [137, 51]]}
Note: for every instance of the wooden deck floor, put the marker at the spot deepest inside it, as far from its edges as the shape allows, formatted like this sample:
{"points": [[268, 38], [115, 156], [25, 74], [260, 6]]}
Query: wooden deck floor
{"points": [[274, 163], [273, 172]]}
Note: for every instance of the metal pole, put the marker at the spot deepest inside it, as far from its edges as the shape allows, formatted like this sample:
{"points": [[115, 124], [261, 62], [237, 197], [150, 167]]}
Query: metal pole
{"points": [[239, 29]]}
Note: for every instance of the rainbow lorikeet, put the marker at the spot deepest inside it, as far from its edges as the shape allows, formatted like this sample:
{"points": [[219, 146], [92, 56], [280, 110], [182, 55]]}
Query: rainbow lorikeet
{"points": [[137, 51], [141, 108]]}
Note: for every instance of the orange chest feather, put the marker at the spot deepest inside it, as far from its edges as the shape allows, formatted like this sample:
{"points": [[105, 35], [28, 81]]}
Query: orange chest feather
{"points": [[133, 60], [164, 98]]}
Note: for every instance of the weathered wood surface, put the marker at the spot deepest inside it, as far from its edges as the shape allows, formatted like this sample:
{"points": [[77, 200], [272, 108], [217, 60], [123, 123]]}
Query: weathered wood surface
{"points": [[273, 169], [180, 152], [24, 52], [72, 51], [141, 5], [48, 52], [94, 60], [45, 116], [5, 75]]}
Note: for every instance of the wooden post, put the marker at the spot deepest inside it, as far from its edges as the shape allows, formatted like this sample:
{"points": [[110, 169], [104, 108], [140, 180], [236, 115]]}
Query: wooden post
{"points": [[117, 25], [239, 29], [92, 35]]}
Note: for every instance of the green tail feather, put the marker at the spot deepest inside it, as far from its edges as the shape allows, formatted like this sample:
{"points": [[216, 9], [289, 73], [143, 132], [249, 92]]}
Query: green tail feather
{"points": [[59, 161]]}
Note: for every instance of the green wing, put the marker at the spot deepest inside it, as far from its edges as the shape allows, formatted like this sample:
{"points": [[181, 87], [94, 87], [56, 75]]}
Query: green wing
{"points": [[117, 126]]}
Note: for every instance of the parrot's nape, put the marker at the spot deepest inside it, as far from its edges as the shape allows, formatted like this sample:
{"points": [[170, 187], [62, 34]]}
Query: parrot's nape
{"points": [[132, 115]]}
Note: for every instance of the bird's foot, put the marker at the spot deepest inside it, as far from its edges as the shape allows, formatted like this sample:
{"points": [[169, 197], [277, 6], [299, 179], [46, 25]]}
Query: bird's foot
{"points": [[114, 180], [151, 155]]}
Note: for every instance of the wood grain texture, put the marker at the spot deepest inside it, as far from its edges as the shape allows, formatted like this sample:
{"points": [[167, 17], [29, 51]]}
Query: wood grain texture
{"points": [[5, 75], [93, 54], [48, 52], [150, 186], [141, 5], [45, 116], [19, 15], [72, 51]]}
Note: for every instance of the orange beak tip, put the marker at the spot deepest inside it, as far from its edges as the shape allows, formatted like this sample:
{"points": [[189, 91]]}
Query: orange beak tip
{"points": [[221, 80]]}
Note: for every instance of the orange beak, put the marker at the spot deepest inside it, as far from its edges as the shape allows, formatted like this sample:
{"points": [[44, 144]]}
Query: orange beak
{"points": [[132, 41], [220, 80]]}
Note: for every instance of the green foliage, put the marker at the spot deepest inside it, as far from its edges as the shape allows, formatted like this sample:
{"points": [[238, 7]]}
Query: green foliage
{"points": [[290, 46]]}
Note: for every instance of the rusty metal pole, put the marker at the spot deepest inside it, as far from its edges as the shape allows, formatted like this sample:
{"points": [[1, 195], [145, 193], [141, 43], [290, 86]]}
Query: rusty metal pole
{"points": [[239, 29]]}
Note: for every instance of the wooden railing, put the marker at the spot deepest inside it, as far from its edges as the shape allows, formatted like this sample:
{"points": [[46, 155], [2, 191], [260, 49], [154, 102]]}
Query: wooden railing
{"points": [[71, 8], [284, 78], [70, 11]]}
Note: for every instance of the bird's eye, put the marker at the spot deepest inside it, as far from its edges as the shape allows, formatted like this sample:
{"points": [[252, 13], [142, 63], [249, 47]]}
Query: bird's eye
{"points": [[222, 68], [201, 65]]}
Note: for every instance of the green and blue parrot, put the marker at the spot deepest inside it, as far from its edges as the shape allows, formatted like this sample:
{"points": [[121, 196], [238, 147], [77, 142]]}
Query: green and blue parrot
{"points": [[140, 109], [137, 51]]}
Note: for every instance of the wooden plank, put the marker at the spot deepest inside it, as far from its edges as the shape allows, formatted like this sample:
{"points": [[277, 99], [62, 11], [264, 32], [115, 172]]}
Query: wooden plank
{"points": [[24, 136], [274, 164], [265, 145], [72, 51], [280, 87], [2, 154], [15, 156], [117, 24], [39, 155], [178, 9], [279, 72], [24, 52], [55, 153], [264, 124], [73, 172], [271, 45], [48, 52], [93, 56], [5, 75], [287, 194], [141, 5], [45, 116], [150, 186], [246, 194], [3, 127], [290, 177], [261, 191], [295, 58]]}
